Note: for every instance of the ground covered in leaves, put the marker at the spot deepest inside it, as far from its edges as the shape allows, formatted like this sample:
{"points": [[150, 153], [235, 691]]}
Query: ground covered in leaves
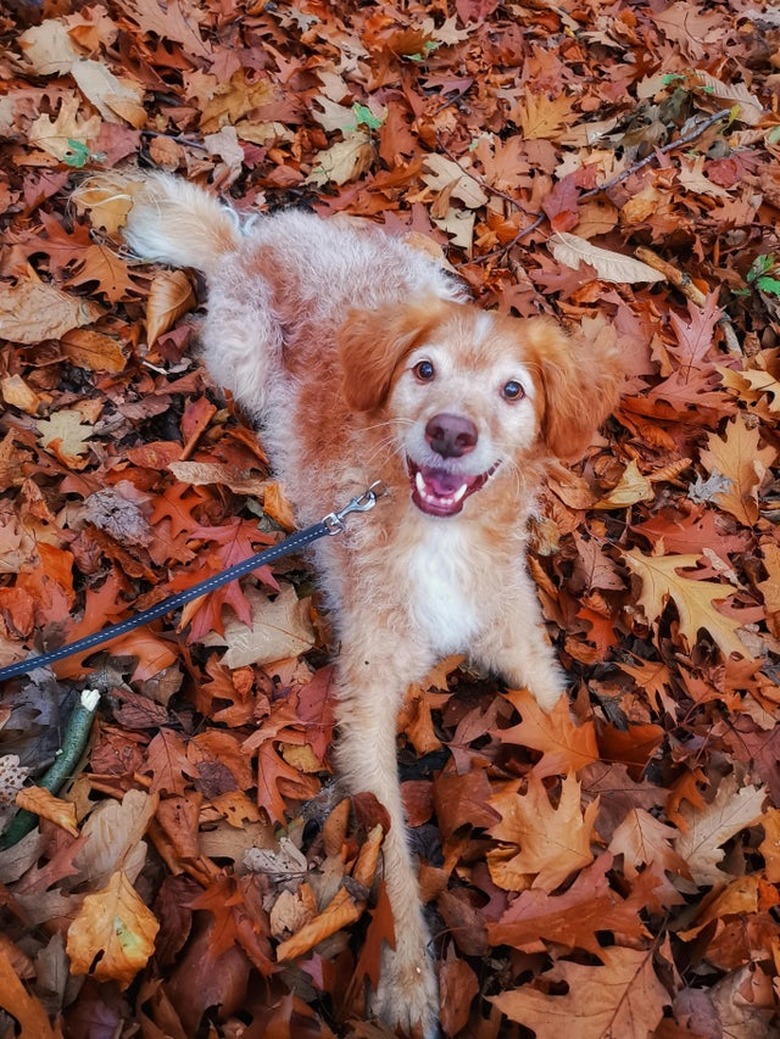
{"points": [[196, 875]]}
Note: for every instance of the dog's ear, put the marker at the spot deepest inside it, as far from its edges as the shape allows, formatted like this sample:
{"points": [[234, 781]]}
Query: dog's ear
{"points": [[373, 343], [580, 385]]}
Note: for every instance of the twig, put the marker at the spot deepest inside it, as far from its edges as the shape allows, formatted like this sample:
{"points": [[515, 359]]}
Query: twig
{"points": [[683, 282], [687, 138], [73, 743]]}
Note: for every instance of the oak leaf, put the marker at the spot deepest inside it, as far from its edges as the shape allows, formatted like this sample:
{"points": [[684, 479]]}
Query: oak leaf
{"points": [[565, 747], [738, 457], [732, 810], [572, 919], [112, 937], [66, 435], [695, 600], [65, 136], [278, 629], [553, 841], [642, 839], [542, 117], [622, 997]]}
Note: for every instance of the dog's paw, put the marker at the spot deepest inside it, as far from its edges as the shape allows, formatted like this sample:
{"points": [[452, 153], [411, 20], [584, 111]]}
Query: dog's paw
{"points": [[407, 998]]}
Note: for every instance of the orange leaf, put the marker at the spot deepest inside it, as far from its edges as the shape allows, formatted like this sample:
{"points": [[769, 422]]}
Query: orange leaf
{"points": [[553, 841], [115, 923], [566, 747], [41, 802], [170, 296], [32, 1018]]}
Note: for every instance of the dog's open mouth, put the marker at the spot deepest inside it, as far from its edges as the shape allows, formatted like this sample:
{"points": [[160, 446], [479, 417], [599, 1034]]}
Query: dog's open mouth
{"points": [[440, 492]]}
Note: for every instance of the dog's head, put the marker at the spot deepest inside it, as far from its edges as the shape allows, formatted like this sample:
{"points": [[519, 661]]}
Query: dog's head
{"points": [[468, 393]]}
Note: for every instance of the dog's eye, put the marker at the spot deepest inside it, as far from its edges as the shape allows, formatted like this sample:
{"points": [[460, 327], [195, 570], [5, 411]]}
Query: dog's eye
{"points": [[424, 371], [513, 391]]}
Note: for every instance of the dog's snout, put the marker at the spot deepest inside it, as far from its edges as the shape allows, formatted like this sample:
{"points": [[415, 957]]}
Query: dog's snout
{"points": [[451, 436]]}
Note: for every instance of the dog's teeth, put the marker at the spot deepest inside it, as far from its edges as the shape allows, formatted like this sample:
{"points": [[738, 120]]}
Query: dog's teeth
{"points": [[419, 482], [460, 492]]}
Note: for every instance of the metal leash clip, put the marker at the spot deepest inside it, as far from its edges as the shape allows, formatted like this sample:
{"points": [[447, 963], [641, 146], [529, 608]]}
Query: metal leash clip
{"points": [[334, 521]]}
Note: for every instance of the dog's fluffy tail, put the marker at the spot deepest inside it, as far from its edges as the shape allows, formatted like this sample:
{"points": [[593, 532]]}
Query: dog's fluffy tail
{"points": [[175, 222]]}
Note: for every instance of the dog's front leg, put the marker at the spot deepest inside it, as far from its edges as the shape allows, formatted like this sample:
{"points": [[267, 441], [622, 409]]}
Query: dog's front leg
{"points": [[372, 682], [515, 646]]}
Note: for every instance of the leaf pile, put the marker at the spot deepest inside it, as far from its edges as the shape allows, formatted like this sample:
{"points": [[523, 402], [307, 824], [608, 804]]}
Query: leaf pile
{"points": [[199, 874]]}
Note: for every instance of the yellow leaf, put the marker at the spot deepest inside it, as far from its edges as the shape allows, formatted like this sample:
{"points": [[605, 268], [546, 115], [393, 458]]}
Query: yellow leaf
{"points": [[170, 296], [738, 457], [447, 177], [343, 161], [115, 923], [631, 488], [542, 118], [66, 437], [57, 136], [42, 802], [694, 599]]}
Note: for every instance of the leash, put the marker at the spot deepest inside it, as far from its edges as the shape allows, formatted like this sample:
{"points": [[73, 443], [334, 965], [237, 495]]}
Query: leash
{"points": [[328, 526]]}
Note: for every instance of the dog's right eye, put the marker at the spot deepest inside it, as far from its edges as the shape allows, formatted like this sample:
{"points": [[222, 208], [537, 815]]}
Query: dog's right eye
{"points": [[424, 371]]}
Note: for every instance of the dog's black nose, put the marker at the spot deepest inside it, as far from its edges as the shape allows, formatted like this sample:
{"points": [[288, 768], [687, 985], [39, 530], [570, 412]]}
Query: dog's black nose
{"points": [[451, 436]]}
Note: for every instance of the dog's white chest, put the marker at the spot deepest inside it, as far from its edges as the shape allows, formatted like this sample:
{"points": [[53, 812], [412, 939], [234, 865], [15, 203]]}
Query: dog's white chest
{"points": [[444, 594]]}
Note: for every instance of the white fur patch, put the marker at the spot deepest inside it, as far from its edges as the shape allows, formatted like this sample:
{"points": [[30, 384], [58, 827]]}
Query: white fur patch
{"points": [[439, 575]]}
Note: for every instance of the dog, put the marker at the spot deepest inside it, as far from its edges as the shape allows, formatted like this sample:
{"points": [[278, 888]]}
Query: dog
{"points": [[360, 359]]}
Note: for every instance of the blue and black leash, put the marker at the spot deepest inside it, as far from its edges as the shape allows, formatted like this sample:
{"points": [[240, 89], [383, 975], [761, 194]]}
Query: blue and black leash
{"points": [[328, 526]]}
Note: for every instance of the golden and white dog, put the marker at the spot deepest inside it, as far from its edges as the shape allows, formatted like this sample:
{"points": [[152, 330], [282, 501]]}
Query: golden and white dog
{"points": [[360, 360]]}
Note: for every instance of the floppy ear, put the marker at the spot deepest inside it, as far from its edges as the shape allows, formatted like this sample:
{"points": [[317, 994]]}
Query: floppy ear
{"points": [[580, 386], [373, 343]]}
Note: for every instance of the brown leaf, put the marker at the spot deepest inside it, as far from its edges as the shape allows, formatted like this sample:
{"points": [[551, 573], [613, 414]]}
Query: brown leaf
{"points": [[622, 997]]}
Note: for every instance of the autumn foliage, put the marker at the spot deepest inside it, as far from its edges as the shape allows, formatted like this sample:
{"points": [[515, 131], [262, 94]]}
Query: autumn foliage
{"points": [[609, 871]]}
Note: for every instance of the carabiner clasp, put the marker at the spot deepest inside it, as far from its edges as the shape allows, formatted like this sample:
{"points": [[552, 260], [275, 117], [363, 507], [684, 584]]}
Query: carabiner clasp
{"points": [[334, 521]]}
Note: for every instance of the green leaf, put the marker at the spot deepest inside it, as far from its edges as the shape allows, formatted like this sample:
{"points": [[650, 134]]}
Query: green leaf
{"points": [[364, 116], [762, 263], [77, 154], [769, 285]]}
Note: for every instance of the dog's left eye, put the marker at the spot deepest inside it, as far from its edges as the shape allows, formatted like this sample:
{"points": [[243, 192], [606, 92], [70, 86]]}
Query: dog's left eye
{"points": [[513, 391]]}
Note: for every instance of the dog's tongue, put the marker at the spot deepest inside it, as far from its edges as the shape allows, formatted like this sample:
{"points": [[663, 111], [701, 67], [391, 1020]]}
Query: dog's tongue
{"points": [[440, 492], [441, 482]]}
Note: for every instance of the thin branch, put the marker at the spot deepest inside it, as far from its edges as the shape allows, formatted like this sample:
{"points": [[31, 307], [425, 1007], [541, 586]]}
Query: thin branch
{"points": [[683, 282], [607, 186]]}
